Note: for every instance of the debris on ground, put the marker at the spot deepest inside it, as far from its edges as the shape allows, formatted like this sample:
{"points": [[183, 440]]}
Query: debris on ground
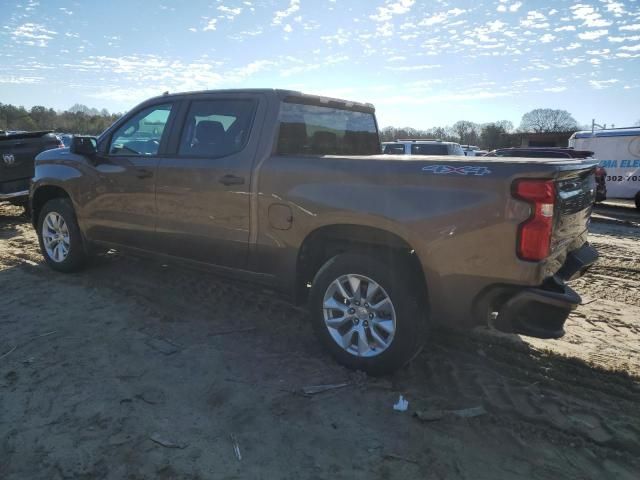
{"points": [[167, 443], [236, 446], [314, 389], [402, 405]]}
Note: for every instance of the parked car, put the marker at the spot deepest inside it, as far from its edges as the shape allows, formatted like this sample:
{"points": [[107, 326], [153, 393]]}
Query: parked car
{"points": [[558, 152], [290, 190], [65, 138], [17, 153], [421, 147], [618, 150]]}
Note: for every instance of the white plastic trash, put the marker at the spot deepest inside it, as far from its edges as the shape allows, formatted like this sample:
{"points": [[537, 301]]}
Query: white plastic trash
{"points": [[402, 405]]}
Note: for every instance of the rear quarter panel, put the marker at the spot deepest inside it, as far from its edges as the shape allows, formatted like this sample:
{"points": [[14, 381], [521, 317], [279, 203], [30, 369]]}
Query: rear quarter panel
{"points": [[463, 227]]}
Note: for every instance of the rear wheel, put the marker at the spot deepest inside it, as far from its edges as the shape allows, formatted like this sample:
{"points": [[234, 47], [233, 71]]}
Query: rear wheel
{"points": [[367, 312], [59, 236]]}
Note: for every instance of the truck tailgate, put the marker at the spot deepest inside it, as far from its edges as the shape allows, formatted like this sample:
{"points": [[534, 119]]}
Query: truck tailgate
{"points": [[575, 194]]}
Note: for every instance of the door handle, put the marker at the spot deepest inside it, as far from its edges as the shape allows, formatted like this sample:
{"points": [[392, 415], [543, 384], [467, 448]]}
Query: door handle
{"points": [[231, 180], [143, 173]]}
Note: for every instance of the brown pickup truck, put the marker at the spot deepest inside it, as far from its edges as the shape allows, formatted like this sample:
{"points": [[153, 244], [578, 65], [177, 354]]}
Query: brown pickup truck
{"points": [[290, 190]]}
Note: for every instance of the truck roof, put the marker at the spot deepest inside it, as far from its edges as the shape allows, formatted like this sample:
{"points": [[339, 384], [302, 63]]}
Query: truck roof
{"points": [[610, 132], [282, 94]]}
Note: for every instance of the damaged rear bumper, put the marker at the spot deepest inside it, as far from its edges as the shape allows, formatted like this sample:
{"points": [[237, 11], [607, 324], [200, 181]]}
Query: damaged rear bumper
{"points": [[542, 311]]}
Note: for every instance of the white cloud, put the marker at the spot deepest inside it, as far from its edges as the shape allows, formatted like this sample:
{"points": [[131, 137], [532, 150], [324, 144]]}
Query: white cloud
{"points": [[631, 27], [573, 46], [592, 34], [440, 17], [33, 34], [631, 48], [566, 28], [534, 20], [555, 89], [412, 68], [600, 84], [229, 12], [515, 7], [589, 16], [211, 25], [294, 6], [392, 8], [632, 38], [547, 37]]}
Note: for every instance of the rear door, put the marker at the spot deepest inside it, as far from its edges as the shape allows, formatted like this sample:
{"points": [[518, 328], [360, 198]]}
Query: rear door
{"points": [[123, 207], [203, 187]]}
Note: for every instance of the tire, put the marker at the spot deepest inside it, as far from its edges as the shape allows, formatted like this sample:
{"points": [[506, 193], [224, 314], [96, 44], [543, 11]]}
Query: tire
{"points": [[395, 282], [76, 256], [638, 200]]}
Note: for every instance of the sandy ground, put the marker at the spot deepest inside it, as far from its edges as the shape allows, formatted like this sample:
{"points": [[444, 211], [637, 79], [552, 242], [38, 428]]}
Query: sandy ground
{"points": [[134, 370]]}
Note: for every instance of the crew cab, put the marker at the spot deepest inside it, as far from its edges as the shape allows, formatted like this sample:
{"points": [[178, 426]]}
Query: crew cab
{"points": [[291, 190]]}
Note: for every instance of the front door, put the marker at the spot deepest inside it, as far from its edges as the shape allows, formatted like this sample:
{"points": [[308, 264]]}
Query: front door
{"points": [[123, 207], [203, 188]]}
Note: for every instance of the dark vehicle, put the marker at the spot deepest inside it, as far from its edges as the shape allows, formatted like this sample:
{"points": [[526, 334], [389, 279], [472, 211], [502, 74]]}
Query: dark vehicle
{"points": [[557, 152], [290, 190], [17, 154]]}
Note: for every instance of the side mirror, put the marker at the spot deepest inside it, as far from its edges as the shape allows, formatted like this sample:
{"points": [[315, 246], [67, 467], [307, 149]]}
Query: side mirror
{"points": [[81, 145]]}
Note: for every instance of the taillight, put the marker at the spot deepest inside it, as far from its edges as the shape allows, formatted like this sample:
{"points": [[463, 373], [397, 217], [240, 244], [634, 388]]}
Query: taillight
{"points": [[534, 234]]}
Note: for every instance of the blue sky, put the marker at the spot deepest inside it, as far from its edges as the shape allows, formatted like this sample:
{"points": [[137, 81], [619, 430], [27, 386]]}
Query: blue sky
{"points": [[422, 63]]}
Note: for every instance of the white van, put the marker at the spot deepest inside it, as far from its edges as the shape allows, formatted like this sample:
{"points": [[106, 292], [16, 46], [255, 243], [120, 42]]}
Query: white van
{"points": [[618, 150]]}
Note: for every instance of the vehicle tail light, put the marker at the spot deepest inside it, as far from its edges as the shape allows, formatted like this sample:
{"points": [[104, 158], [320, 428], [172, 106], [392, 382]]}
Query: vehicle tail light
{"points": [[534, 234]]}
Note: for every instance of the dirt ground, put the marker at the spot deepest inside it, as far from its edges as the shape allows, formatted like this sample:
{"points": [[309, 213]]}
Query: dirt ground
{"points": [[135, 370]]}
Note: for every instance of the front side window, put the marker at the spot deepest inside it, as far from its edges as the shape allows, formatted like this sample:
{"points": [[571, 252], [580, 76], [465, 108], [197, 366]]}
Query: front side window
{"points": [[216, 128], [428, 149], [319, 130], [141, 134]]}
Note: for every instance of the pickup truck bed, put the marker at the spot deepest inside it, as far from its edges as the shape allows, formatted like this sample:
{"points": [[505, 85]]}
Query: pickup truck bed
{"points": [[291, 191]]}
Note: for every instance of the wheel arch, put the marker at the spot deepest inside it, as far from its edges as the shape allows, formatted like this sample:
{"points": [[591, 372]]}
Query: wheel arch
{"points": [[328, 241], [41, 195]]}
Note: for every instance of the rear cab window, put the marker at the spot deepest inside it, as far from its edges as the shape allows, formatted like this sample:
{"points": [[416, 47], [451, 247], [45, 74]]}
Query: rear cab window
{"points": [[325, 130]]}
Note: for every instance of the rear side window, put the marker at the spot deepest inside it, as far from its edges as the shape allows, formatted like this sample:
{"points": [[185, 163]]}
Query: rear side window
{"points": [[394, 149], [317, 130], [216, 128], [429, 149]]}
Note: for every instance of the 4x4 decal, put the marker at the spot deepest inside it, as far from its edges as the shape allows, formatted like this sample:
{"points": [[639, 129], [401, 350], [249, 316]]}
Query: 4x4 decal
{"points": [[449, 169]]}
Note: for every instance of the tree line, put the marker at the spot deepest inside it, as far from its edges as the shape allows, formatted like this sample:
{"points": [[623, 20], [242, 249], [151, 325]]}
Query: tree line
{"points": [[489, 135], [78, 119], [91, 121]]}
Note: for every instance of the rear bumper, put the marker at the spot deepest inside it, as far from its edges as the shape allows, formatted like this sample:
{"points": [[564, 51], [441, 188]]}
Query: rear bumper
{"points": [[541, 311], [22, 195]]}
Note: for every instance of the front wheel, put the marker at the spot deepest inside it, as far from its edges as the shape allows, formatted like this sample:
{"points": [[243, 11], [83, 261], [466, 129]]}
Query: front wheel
{"points": [[59, 236], [367, 312]]}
